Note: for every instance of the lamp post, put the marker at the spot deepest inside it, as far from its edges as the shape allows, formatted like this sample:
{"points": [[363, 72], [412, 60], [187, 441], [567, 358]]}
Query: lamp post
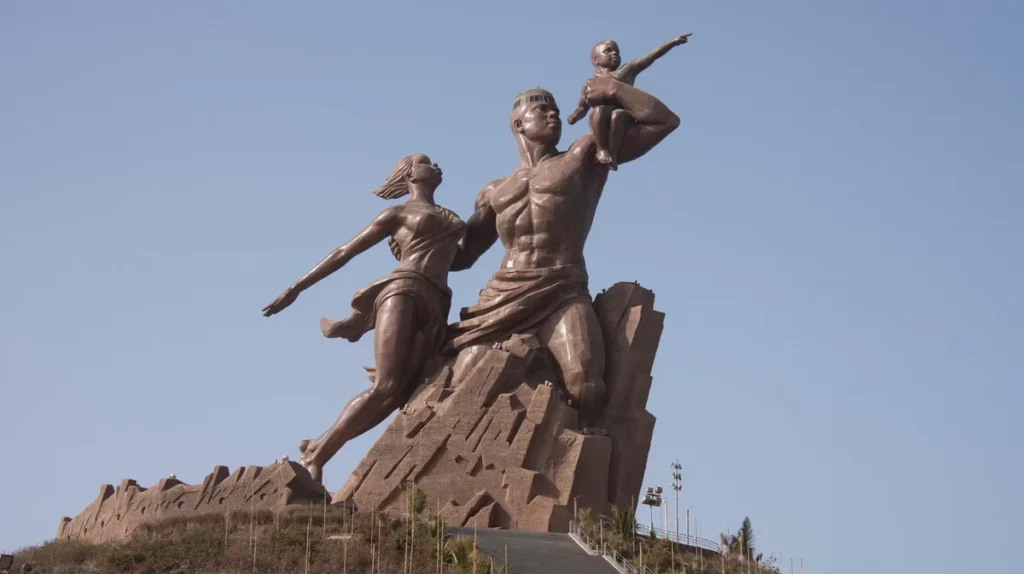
{"points": [[652, 498], [677, 485]]}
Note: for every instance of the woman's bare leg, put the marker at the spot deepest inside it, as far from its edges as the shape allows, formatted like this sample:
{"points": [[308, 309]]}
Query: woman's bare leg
{"points": [[393, 345]]}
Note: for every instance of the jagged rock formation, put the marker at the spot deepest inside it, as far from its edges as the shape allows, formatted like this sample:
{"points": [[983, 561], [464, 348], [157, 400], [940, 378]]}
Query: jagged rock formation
{"points": [[117, 512], [489, 437], [492, 441]]}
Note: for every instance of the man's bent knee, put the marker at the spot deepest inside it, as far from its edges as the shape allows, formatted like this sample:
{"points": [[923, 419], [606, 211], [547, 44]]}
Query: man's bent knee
{"points": [[587, 395], [384, 390]]}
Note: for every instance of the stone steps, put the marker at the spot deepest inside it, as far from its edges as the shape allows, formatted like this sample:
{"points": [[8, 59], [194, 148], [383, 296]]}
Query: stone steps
{"points": [[536, 552]]}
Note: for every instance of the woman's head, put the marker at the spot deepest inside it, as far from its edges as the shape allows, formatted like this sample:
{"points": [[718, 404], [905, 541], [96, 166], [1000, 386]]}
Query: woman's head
{"points": [[411, 170]]}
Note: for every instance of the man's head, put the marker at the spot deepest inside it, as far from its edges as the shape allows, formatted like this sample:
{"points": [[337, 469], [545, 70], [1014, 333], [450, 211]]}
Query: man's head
{"points": [[605, 55], [535, 117]]}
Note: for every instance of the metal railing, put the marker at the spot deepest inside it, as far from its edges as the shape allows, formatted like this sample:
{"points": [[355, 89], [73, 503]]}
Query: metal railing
{"points": [[607, 552], [694, 541]]}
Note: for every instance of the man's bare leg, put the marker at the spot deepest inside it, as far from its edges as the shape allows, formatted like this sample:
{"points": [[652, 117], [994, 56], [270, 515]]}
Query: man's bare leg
{"points": [[600, 125], [573, 335], [394, 336]]}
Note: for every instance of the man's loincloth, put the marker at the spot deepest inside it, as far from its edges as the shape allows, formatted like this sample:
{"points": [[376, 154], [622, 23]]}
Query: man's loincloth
{"points": [[518, 302], [432, 305]]}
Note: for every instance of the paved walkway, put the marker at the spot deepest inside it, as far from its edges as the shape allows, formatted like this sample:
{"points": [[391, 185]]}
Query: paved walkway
{"points": [[537, 552]]}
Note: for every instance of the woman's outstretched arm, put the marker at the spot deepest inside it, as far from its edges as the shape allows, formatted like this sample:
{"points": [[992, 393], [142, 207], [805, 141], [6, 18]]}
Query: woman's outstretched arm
{"points": [[380, 228]]}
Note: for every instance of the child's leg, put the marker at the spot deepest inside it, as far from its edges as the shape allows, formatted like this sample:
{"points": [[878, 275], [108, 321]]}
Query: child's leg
{"points": [[600, 120], [616, 130]]}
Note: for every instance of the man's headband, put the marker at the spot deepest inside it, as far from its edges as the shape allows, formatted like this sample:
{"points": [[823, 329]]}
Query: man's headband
{"points": [[530, 96]]}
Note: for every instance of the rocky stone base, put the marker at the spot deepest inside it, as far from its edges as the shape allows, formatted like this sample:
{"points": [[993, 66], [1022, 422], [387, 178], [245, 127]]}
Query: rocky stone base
{"points": [[490, 439], [117, 512], [493, 442]]}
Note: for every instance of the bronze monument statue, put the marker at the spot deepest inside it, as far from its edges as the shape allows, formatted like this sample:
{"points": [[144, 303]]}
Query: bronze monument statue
{"points": [[407, 309], [607, 123], [497, 412], [542, 212]]}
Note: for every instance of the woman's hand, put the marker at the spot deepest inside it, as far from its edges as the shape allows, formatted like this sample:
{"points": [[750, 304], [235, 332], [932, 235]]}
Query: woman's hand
{"points": [[282, 302], [395, 248]]}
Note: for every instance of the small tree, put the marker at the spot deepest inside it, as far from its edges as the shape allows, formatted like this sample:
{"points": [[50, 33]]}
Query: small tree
{"points": [[586, 522], [622, 526], [417, 502], [742, 543]]}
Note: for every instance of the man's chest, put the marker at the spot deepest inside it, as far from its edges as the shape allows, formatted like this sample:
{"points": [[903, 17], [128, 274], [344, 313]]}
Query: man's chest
{"points": [[552, 182]]}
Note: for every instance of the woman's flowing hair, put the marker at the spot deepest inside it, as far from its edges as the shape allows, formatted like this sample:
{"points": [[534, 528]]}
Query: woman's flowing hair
{"points": [[397, 184]]}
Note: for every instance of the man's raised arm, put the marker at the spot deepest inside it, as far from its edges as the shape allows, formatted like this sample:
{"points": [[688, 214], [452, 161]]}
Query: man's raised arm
{"points": [[654, 121], [481, 230]]}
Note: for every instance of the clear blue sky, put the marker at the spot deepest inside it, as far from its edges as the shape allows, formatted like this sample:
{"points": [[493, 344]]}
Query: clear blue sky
{"points": [[835, 233]]}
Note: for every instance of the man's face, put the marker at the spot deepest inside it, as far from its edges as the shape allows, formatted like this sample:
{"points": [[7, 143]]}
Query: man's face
{"points": [[606, 55], [539, 122]]}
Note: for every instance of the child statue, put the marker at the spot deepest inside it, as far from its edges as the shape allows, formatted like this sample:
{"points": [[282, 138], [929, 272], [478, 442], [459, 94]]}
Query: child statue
{"points": [[606, 122]]}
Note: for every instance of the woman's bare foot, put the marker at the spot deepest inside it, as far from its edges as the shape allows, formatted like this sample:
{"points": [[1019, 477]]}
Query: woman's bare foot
{"points": [[606, 158], [307, 449]]}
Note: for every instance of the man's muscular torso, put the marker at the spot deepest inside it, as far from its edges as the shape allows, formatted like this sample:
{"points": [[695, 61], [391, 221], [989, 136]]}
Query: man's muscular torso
{"points": [[544, 213]]}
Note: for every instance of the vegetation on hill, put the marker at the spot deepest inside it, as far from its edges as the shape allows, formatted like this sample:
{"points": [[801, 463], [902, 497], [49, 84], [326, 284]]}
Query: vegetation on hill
{"points": [[619, 531], [328, 540], [322, 540]]}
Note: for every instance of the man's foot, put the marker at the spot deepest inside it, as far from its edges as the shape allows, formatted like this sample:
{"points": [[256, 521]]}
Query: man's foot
{"points": [[607, 159], [307, 449]]}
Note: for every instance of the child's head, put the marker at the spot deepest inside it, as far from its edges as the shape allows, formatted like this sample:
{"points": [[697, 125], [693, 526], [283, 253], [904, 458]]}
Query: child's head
{"points": [[605, 55]]}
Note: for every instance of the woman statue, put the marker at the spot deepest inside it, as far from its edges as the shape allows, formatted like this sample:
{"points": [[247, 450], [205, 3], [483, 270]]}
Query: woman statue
{"points": [[407, 309]]}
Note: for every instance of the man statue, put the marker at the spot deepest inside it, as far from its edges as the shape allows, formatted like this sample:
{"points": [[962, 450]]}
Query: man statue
{"points": [[542, 212]]}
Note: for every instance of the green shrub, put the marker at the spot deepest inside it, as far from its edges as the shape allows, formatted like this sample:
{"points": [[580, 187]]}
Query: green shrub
{"points": [[222, 544]]}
